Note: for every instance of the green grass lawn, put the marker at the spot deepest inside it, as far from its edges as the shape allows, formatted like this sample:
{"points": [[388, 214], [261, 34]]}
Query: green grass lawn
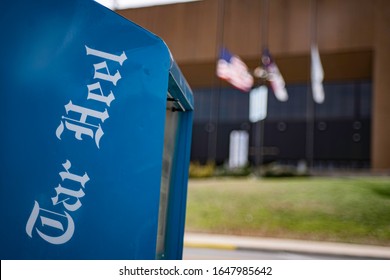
{"points": [[355, 210]]}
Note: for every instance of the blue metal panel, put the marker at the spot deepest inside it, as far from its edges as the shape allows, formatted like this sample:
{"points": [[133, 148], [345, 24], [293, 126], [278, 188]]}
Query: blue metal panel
{"points": [[179, 88], [178, 194], [175, 224], [82, 127]]}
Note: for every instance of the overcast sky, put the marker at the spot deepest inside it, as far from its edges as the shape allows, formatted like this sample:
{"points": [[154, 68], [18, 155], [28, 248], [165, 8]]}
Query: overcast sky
{"points": [[125, 4]]}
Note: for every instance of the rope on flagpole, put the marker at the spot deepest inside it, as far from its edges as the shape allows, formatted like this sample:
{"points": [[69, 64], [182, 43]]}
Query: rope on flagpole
{"points": [[264, 24], [309, 100], [259, 126], [214, 108]]}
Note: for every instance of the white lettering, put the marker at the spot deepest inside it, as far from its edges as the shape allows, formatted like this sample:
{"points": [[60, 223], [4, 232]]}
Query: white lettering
{"points": [[69, 193], [99, 97], [80, 126], [54, 227], [120, 59], [105, 76], [50, 223], [70, 176], [85, 112]]}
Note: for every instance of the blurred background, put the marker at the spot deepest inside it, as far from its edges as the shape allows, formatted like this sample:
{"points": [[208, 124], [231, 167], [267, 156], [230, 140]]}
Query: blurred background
{"points": [[329, 159], [347, 130]]}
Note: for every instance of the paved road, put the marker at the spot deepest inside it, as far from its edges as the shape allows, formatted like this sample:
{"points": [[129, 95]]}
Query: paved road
{"points": [[221, 254], [224, 247]]}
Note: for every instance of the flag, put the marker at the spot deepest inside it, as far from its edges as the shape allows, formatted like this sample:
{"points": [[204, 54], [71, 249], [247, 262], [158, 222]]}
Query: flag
{"points": [[317, 75], [232, 69], [274, 77], [258, 103]]}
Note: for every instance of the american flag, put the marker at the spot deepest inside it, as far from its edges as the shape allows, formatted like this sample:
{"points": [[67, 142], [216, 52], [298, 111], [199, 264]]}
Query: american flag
{"points": [[232, 69]]}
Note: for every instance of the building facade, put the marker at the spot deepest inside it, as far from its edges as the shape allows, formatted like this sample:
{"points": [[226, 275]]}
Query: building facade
{"points": [[350, 129]]}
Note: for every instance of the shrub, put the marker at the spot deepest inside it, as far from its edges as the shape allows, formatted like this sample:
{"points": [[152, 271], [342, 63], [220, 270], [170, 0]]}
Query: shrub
{"points": [[198, 170]]}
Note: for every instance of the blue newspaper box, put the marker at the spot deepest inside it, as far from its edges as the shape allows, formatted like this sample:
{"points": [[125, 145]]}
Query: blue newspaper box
{"points": [[95, 125]]}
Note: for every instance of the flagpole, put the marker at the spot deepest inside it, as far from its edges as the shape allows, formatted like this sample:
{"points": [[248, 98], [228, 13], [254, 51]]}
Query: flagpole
{"points": [[309, 98], [264, 24], [259, 126], [214, 108]]}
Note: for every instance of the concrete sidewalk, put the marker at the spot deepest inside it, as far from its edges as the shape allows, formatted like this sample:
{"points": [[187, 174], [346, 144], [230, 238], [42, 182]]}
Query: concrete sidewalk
{"points": [[230, 242]]}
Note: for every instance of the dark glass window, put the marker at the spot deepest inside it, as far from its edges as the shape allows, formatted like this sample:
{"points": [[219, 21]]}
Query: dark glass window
{"points": [[230, 104], [339, 101], [343, 100], [365, 100], [293, 108]]}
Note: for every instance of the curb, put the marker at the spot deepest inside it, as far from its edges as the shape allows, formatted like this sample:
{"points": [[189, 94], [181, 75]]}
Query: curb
{"points": [[230, 242]]}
